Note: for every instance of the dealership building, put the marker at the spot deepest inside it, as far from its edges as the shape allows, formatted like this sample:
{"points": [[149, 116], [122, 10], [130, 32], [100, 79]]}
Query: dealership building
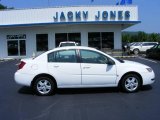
{"points": [[27, 31]]}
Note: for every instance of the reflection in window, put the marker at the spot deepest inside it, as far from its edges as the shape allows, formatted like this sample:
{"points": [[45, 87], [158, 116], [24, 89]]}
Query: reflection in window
{"points": [[101, 40], [12, 48], [22, 47], [107, 40], [94, 40], [61, 37], [42, 42], [16, 47], [93, 57], [76, 37]]}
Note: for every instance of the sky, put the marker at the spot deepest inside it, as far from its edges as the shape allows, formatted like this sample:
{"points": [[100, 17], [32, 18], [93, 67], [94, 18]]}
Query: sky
{"points": [[149, 10]]}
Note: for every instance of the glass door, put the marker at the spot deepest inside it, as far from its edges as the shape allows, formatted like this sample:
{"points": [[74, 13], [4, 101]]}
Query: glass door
{"points": [[16, 47]]}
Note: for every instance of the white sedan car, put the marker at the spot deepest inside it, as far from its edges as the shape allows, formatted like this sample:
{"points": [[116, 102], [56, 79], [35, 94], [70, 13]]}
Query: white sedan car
{"points": [[81, 67]]}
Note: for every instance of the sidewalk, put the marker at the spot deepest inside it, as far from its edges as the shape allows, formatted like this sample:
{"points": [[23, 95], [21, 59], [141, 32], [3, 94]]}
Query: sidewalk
{"points": [[120, 54]]}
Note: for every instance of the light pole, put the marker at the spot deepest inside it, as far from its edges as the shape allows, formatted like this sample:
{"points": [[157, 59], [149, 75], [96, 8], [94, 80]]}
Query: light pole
{"points": [[48, 3]]}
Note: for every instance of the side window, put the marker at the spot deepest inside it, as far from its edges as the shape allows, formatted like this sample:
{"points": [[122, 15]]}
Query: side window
{"points": [[93, 57], [51, 57], [145, 44], [149, 44], [64, 56], [137, 44], [152, 44]]}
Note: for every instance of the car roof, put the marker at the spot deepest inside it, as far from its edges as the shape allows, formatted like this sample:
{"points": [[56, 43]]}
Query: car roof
{"points": [[76, 47], [67, 42], [150, 42], [72, 47]]}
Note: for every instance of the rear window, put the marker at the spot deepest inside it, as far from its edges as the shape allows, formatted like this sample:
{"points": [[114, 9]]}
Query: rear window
{"points": [[137, 44], [68, 56]]}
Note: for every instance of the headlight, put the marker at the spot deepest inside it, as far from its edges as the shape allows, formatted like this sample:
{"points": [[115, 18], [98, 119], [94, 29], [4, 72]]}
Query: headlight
{"points": [[149, 69]]}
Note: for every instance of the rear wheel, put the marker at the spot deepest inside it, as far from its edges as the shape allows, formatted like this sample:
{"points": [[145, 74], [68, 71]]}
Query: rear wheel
{"points": [[136, 51], [131, 83], [44, 86]]}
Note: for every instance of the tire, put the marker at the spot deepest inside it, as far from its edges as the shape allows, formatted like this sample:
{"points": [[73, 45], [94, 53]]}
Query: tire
{"points": [[131, 83], [136, 51], [44, 86]]}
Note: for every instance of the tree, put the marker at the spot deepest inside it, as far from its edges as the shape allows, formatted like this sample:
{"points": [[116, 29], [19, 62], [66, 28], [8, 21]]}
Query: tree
{"points": [[142, 36], [154, 37], [3, 7]]}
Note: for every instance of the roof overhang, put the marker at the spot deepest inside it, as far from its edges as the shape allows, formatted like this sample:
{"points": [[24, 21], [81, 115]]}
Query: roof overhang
{"points": [[124, 24], [125, 16]]}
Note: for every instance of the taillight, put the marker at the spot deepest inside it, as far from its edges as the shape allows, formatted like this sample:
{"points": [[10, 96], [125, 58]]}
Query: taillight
{"points": [[21, 65]]}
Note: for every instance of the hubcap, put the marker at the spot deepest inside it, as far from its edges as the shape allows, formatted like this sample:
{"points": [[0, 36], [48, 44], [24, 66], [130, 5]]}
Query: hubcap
{"points": [[131, 84], [44, 86], [136, 52]]}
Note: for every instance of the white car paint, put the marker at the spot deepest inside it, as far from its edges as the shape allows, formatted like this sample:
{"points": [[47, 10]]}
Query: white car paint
{"points": [[73, 75]]}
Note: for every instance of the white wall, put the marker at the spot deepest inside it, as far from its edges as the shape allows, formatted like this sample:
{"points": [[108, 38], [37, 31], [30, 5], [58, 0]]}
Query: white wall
{"points": [[46, 15], [51, 30]]}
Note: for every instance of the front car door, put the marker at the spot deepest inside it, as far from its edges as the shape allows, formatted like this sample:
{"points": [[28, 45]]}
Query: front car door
{"points": [[64, 67], [95, 70]]}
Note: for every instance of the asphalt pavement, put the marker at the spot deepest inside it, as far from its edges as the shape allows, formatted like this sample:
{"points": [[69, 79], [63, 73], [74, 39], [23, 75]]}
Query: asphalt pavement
{"points": [[19, 103]]}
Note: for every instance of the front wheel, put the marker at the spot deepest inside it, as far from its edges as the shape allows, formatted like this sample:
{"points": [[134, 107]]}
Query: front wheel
{"points": [[131, 83], [44, 86]]}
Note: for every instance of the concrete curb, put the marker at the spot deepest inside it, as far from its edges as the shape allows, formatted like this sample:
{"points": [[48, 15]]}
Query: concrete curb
{"points": [[125, 56], [6, 59]]}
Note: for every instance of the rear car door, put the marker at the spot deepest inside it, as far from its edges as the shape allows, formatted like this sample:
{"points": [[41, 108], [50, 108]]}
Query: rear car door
{"points": [[95, 70], [64, 67]]}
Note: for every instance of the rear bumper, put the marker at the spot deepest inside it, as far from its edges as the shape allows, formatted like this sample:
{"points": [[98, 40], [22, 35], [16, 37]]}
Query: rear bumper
{"points": [[23, 79]]}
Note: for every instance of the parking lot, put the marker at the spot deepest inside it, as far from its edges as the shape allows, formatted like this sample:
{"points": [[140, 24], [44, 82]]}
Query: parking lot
{"points": [[19, 103]]}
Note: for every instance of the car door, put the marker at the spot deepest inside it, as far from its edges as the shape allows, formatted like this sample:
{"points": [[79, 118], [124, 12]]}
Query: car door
{"points": [[64, 67], [95, 70]]}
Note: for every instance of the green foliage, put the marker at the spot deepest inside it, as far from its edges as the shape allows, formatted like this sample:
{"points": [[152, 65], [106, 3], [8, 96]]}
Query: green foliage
{"points": [[140, 37], [2, 6]]}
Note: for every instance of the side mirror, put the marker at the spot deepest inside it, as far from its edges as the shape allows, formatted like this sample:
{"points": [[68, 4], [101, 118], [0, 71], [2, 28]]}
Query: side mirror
{"points": [[111, 62]]}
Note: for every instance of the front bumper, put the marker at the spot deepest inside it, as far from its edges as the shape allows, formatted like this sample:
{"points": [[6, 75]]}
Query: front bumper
{"points": [[148, 78]]}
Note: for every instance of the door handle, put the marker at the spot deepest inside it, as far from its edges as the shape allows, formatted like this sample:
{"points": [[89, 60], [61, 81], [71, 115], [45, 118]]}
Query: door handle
{"points": [[56, 66], [87, 67]]}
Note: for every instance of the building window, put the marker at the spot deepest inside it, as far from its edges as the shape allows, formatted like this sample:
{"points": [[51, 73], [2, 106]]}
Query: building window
{"points": [[94, 40], [42, 42], [22, 45], [61, 37], [12, 48], [76, 37], [107, 40], [101, 40], [16, 45]]}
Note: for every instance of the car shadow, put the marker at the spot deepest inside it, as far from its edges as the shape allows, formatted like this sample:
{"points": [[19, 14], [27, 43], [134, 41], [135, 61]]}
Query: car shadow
{"points": [[29, 90], [146, 88], [69, 91], [87, 90], [26, 90]]}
